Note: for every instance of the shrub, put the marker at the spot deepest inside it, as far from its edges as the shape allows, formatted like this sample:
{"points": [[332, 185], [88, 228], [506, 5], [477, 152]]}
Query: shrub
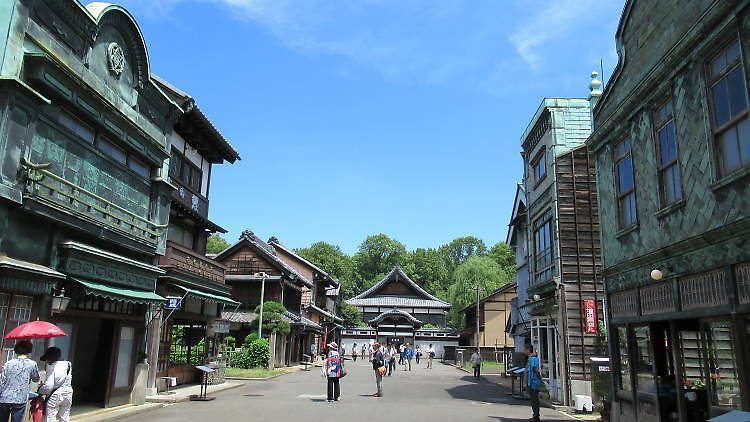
{"points": [[259, 353], [240, 359], [230, 341], [250, 338]]}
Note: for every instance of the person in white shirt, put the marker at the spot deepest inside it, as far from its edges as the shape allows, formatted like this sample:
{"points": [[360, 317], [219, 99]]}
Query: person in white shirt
{"points": [[476, 362], [57, 385], [430, 356]]}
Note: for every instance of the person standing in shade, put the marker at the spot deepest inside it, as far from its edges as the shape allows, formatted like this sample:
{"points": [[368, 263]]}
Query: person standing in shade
{"points": [[14, 382], [476, 362], [332, 371], [354, 352], [57, 386], [392, 362], [378, 361], [534, 377], [430, 356]]}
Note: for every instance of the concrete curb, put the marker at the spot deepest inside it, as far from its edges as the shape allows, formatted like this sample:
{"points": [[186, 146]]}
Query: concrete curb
{"points": [[114, 414], [179, 399]]}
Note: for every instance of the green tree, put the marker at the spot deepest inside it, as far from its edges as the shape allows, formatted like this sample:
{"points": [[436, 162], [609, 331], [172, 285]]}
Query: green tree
{"points": [[335, 262], [479, 271], [460, 249], [215, 244], [425, 266], [273, 318], [351, 315], [376, 256], [503, 255]]}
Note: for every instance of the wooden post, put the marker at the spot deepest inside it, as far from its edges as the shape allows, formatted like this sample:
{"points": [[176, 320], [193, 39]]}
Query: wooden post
{"points": [[478, 347]]}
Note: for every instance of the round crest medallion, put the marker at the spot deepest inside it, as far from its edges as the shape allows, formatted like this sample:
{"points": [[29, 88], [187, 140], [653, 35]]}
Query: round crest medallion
{"points": [[116, 58]]}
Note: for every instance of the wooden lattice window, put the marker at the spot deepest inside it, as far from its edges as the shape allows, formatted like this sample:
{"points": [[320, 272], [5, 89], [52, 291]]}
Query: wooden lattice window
{"points": [[742, 275], [657, 298], [704, 290], [624, 304]]}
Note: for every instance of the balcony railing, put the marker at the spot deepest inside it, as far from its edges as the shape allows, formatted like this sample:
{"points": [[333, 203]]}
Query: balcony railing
{"points": [[192, 263], [59, 193]]}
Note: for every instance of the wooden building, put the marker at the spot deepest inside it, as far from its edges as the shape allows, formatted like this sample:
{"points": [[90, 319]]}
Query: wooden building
{"points": [[187, 336], [84, 195], [672, 151], [563, 236], [320, 304], [494, 315], [396, 310], [247, 261], [519, 326]]}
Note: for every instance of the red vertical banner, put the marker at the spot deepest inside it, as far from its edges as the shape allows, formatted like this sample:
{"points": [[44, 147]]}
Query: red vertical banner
{"points": [[589, 312]]}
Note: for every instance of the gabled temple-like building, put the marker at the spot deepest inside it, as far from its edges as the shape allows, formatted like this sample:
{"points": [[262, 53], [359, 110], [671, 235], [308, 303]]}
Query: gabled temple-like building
{"points": [[396, 310]]}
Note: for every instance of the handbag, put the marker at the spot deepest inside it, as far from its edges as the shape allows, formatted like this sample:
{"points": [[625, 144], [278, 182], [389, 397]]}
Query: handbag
{"points": [[342, 372], [382, 370]]}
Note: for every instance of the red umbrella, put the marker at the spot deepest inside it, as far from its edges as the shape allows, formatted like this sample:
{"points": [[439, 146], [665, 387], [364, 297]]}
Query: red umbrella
{"points": [[35, 329]]}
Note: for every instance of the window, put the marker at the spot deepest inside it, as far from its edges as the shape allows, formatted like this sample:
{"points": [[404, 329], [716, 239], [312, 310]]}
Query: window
{"points": [[139, 167], [543, 252], [14, 311], [729, 109], [185, 172], [112, 150], [539, 167], [644, 362], [625, 184], [76, 126], [181, 236], [666, 151], [722, 365], [623, 374]]}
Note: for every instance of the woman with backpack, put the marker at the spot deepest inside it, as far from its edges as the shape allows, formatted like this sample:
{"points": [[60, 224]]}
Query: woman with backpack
{"points": [[57, 386], [378, 365], [333, 371]]}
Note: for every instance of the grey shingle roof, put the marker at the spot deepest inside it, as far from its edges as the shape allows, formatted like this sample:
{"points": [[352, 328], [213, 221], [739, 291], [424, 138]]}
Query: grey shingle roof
{"points": [[399, 302], [396, 312], [397, 271], [295, 319], [240, 317]]}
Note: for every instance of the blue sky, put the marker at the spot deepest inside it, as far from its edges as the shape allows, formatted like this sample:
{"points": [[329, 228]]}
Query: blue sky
{"points": [[358, 117]]}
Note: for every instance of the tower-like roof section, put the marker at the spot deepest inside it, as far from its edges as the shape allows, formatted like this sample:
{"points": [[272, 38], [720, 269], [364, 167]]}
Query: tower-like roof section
{"points": [[368, 298]]}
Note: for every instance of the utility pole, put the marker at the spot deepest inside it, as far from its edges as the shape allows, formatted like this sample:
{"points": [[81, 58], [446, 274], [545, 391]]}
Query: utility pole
{"points": [[263, 276], [478, 349]]}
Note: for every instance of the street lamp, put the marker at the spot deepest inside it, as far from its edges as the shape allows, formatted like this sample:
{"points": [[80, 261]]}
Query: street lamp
{"points": [[60, 302], [263, 276]]}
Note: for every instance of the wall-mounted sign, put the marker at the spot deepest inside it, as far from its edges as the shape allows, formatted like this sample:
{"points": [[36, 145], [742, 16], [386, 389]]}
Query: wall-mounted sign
{"points": [[173, 302], [589, 312], [217, 326]]}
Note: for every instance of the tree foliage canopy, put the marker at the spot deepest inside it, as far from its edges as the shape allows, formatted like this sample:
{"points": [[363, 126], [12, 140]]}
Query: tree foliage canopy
{"points": [[215, 244], [376, 256], [335, 262], [460, 249], [477, 271], [273, 318], [351, 315]]}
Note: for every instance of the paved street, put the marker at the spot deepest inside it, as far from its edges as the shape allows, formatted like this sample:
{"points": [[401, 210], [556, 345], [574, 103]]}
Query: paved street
{"points": [[440, 394]]}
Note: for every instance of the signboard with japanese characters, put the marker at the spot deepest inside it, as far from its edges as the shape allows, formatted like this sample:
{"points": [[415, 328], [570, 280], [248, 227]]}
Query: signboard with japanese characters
{"points": [[589, 309], [173, 302]]}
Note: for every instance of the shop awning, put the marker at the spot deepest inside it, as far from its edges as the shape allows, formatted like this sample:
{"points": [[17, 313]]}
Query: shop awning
{"points": [[209, 297], [119, 293]]}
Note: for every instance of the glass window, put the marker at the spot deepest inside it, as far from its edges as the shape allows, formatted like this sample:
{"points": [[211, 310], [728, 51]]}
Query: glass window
{"points": [[729, 109], [722, 369], [184, 172], [139, 167], [15, 310], [666, 150], [124, 356], [539, 167], [112, 150], [692, 363], [543, 251], [625, 184], [76, 126], [623, 375], [644, 363]]}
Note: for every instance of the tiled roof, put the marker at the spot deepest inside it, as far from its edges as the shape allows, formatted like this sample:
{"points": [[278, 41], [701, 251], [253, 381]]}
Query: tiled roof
{"points": [[274, 242], [399, 302], [394, 272], [240, 317], [325, 313], [295, 319], [396, 312]]}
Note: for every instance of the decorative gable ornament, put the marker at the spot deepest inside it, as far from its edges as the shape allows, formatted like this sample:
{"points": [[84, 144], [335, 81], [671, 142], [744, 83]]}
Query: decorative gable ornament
{"points": [[116, 59]]}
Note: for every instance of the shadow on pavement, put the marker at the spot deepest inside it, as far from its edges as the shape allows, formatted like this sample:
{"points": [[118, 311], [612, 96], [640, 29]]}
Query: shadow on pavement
{"points": [[504, 419], [479, 390]]}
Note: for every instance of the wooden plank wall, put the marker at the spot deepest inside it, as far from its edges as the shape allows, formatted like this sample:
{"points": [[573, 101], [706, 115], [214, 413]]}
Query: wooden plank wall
{"points": [[580, 254]]}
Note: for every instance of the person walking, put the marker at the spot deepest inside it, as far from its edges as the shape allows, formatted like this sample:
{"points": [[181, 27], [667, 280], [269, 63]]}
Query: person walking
{"points": [[534, 380], [386, 355], [392, 362], [332, 371], [476, 362], [408, 356], [417, 354], [14, 382], [378, 365], [364, 349], [57, 386], [430, 356], [354, 352], [312, 352], [401, 348]]}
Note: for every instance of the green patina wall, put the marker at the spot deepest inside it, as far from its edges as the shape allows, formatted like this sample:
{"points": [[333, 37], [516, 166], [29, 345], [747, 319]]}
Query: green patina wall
{"points": [[709, 229]]}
